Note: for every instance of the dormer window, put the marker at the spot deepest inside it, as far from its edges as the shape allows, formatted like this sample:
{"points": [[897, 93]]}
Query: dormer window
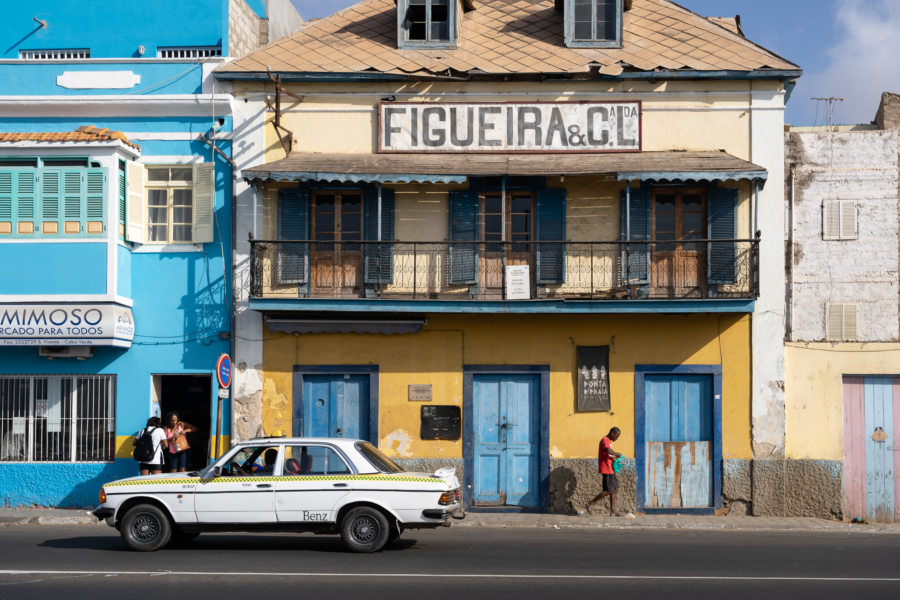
{"points": [[593, 23], [426, 23]]}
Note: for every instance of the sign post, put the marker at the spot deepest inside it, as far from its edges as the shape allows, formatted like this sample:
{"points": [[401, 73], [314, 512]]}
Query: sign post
{"points": [[223, 375]]}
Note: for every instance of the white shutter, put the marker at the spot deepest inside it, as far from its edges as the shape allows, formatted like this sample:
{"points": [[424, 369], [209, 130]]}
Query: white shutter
{"points": [[136, 203], [204, 198], [848, 220], [841, 321], [831, 220], [850, 319]]}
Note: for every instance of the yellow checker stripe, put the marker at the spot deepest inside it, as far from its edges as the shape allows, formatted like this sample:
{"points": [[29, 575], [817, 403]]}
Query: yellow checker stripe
{"points": [[272, 479]]}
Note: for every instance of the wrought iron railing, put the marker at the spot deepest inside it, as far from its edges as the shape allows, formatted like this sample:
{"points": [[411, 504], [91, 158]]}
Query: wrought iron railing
{"points": [[678, 269]]}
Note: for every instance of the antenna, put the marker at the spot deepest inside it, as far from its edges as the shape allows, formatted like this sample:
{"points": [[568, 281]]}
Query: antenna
{"points": [[830, 102]]}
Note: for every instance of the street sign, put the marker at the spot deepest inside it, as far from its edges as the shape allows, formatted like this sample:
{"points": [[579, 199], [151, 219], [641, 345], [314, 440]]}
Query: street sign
{"points": [[223, 370], [223, 393]]}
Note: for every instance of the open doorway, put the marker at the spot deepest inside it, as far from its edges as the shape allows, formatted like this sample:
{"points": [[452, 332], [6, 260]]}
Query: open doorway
{"points": [[190, 397]]}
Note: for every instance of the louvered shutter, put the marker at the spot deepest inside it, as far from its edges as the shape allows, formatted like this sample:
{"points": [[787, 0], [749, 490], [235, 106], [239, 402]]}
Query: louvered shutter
{"points": [[722, 225], [26, 201], [635, 260], [51, 194], [551, 227], [379, 257], [73, 202], [203, 199], [6, 201], [839, 220], [95, 200], [122, 197], [841, 321], [293, 224], [135, 230], [463, 228]]}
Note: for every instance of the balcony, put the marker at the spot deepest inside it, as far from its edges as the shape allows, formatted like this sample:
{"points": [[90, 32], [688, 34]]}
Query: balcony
{"points": [[696, 269]]}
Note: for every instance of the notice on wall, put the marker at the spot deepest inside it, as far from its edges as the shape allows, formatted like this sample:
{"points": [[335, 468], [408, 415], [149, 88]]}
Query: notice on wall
{"points": [[441, 423], [593, 378], [420, 392], [518, 282]]}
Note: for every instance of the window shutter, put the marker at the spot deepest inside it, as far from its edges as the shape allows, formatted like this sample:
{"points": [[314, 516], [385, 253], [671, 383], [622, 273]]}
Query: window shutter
{"points": [[841, 321], [73, 202], [135, 231], [722, 224], [635, 261], [551, 227], [839, 220], [95, 200], [122, 197], [293, 224], [463, 228], [204, 199], [6, 196], [26, 200], [850, 314], [849, 229], [51, 192], [379, 257]]}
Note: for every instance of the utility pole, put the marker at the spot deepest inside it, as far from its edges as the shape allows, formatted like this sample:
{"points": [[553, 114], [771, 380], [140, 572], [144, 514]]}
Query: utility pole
{"points": [[830, 102]]}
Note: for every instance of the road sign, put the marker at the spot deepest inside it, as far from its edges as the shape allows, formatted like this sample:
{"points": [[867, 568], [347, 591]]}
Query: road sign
{"points": [[223, 370]]}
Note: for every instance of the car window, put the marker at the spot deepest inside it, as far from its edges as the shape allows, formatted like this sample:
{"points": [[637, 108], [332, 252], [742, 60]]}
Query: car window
{"points": [[378, 460], [313, 460], [252, 461]]}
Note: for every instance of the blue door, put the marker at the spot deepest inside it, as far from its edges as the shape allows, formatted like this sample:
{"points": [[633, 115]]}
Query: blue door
{"points": [[880, 452], [507, 429], [335, 406], [679, 441]]}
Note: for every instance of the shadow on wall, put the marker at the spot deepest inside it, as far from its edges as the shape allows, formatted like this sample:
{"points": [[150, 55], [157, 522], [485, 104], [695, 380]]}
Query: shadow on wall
{"points": [[62, 485]]}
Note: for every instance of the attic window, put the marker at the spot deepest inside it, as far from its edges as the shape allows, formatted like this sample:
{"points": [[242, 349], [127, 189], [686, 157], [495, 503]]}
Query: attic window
{"points": [[593, 23], [426, 23]]}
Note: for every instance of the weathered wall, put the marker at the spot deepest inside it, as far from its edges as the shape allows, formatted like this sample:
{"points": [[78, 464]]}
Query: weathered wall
{"points": [[283, 19], [243, 29], [888, 116], [798, 488]]}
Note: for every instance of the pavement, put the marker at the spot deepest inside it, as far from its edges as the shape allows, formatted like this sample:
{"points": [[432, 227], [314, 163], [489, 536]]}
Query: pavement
{"points": [[65, 516]]}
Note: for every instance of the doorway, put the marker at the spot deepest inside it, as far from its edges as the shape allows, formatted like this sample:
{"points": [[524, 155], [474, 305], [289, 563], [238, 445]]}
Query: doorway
{"points": [[336, 401], [189, 396], [678, 266], [337, 227]]}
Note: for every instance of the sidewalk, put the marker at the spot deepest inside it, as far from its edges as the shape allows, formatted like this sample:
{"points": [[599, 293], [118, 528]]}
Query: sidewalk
{"points": [[61, 516]]}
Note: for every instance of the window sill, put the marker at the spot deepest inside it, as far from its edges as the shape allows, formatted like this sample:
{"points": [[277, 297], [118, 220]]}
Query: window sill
{"points": [[166, 248]]}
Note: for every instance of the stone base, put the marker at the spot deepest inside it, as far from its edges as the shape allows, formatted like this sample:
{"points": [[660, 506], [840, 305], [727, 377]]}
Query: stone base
{"points": [[575, 481], [798, 488]]}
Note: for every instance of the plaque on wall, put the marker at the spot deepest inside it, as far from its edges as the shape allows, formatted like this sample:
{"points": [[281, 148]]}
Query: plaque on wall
{"points": [[441, 423], [593, 378], [420, 393]]}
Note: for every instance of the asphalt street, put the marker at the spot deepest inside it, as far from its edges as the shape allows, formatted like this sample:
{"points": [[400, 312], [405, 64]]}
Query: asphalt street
{"points": [[90, 561]]}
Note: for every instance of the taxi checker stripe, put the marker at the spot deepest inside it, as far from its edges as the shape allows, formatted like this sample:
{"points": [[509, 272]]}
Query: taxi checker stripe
{"points": [[285, 478]]}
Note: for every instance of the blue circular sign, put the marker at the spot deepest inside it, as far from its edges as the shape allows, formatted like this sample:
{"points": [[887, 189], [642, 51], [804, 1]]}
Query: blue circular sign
{"points": [[223, 370]]}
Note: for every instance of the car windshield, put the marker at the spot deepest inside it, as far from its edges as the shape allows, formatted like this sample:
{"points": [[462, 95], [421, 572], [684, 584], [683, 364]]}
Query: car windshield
{"points": [[378, 460]]}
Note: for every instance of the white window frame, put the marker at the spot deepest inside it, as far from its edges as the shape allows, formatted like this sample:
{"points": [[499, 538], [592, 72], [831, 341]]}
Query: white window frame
{"points": [[203, 195], [190, 52], [569, 26], [841, 321], [170, 186], [55, 54], [403, 39], [839, 220]]}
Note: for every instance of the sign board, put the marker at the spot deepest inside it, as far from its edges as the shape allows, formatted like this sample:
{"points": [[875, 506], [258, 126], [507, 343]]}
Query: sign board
{"points": [[593, 378], [420, 393], [509, 127], [440, 423], [223, 393], [66, 325], [518, 282], [223, 370]]}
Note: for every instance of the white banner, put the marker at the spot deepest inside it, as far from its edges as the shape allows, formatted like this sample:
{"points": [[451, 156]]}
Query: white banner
{"points": [[509, 127], [66, 325]]}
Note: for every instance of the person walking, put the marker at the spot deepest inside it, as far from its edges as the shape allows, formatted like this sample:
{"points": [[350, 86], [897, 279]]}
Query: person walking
{"points": [[605, 457], [158, 438], [177, 453]]}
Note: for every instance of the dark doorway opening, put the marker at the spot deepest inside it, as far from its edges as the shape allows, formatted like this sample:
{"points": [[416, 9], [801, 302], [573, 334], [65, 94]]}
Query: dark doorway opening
{"points": [[190, 397]]}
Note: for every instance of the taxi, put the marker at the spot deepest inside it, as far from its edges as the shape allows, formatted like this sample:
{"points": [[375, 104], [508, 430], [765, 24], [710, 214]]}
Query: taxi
{"points": [[319, 485]]}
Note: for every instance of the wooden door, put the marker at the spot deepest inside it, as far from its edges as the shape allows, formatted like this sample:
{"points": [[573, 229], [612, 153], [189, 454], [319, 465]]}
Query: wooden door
{"points": [[507, 228], [337, 219], [677, 268]]}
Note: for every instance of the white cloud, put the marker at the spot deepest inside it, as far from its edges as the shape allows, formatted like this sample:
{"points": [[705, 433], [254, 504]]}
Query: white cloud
{"points": [[863, 62]]}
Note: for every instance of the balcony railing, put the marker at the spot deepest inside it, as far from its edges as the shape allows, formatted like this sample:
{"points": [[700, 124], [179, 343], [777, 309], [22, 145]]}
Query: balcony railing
{"points": [[678, 269]]}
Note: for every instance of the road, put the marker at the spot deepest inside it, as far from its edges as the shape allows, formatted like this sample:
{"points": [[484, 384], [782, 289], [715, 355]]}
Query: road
{"points": [[458, 563]]}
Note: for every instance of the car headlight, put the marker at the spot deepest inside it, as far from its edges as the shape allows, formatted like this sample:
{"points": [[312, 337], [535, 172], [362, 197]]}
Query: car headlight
{"points": [[102, 496]]}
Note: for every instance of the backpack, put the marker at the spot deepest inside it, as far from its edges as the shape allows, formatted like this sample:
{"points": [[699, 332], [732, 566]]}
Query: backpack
{"points": [[144, 450]]}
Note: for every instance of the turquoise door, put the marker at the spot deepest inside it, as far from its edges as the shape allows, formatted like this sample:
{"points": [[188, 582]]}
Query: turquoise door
{"points": [[507, 432], [679, 441], [335, 406]]}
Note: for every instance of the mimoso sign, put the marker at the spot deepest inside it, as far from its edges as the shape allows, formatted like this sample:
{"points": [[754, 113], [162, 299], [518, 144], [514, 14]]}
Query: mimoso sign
{"points": [[66, 325], [509, 127]]}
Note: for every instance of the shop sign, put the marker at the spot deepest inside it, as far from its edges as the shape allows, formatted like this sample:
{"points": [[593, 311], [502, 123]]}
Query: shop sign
{"points": [[66, 325], [518, 282], [593, 378], [509, 127]]}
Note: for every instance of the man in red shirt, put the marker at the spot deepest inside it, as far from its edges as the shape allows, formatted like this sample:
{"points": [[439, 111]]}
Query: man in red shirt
{"points": [[605, 458]]}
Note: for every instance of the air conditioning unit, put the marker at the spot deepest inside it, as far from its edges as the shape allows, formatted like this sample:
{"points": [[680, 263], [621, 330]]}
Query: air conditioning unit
{"points": [[53, 352]]}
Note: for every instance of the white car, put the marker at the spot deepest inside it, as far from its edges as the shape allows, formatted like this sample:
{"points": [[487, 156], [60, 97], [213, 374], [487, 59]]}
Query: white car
{"points": [[321, 485]]}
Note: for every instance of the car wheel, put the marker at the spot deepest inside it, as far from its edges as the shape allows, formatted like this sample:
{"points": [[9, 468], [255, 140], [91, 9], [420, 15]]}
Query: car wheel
{"points": [[365, 529], [146, 528]]}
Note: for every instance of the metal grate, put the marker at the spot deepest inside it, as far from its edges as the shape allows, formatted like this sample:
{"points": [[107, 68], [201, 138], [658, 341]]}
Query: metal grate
{"points": [[190, 52], [57, 418], [57, 54]]}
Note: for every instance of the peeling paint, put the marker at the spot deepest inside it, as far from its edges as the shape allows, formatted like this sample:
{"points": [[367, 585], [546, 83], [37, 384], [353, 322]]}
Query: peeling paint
{"points": [[397, 443], [555, 452]]}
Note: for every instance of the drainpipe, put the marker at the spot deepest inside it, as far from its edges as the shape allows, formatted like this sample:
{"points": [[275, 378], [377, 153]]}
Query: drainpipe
{"points": [[789, 267]]}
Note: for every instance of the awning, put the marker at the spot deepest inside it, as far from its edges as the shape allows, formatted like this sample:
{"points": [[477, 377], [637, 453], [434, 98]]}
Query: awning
{"points": [[456, 168], [325, 325]]}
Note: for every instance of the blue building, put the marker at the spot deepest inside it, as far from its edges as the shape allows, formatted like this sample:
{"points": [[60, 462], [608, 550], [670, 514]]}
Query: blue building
{"points": [[115, 231]]}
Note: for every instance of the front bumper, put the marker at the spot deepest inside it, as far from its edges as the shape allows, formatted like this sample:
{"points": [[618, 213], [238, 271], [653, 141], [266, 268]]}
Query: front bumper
{"points": [[104, 513]]}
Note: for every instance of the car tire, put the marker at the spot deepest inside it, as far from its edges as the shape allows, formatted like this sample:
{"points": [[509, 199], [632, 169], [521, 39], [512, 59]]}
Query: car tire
{"points": [[365, 529], [146, 528]]}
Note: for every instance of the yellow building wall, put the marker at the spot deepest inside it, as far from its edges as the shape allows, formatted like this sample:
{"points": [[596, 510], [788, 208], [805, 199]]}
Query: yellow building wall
{"points": [[814, 413], [437, 354]]}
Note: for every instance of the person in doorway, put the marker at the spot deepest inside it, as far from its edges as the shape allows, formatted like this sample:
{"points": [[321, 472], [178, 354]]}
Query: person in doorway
{"points": [[177, 452], [158, 436], [605, 458]]}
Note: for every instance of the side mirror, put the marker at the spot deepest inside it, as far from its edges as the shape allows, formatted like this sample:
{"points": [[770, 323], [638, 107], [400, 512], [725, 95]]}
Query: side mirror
{"points": [[217, 472]]}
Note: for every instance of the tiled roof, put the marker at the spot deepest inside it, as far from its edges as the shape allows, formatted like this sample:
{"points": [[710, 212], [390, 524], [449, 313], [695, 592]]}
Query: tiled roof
{"points": [[85, 133], [510, 37]]}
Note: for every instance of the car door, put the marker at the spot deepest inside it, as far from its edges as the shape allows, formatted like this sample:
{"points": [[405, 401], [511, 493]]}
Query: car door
{"points": [[244, 492], [314, 478]]}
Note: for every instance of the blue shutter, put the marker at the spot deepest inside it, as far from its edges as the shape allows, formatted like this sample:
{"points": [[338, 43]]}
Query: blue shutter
{"points": [[379, 257], [73, 199], [635, 262], [6, 196], [293, 224], [463, 228], [95, 197], [51, 192], [123, 196], [722, 224], [26, 195], [551, 227]]}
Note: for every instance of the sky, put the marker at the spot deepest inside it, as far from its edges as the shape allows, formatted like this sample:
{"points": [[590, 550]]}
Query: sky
{"points": [[847, 48]]}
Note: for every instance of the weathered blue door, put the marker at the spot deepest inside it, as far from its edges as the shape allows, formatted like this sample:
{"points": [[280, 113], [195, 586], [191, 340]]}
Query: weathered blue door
{"points": [[335, 406], [507, 433], [679, 436]]}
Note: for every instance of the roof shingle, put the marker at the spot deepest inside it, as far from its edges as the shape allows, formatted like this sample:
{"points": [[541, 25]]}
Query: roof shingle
{"points": [[85, 133]]}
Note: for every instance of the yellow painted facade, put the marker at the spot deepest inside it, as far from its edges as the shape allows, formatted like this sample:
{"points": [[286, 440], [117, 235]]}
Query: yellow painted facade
{"points": [[125, 445]]}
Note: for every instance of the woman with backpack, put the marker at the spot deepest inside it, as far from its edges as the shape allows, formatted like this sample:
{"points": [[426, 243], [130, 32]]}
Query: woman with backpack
{"points": [[155, 442]]}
